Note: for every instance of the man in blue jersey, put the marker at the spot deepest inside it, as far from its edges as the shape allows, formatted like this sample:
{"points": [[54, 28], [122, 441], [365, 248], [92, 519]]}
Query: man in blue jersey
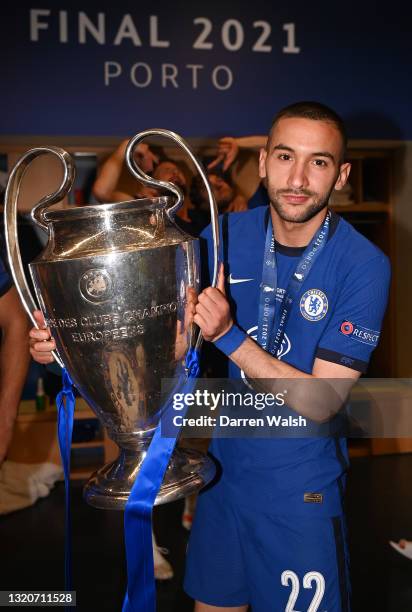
{"points": [[303, 300]]}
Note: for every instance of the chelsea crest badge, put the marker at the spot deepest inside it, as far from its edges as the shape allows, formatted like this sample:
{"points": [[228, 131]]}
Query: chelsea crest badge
{"points": [[314, 305]]}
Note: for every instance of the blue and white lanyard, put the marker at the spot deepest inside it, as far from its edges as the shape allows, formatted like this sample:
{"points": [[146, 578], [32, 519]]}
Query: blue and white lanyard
{"points": [[269, 338]]}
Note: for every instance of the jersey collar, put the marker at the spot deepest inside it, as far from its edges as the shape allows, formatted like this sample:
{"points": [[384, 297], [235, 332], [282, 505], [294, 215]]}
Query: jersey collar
{"points": [[297, 251]]}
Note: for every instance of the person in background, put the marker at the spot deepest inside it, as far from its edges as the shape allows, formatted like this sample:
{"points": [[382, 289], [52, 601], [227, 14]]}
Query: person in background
{"points": [[14, 354], [227, 152], [227, 199], [14, 357], [106, 189]]}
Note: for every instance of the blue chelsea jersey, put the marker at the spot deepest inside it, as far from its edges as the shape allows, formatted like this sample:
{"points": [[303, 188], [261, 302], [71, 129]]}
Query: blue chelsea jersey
{"points": [[337, 317]]}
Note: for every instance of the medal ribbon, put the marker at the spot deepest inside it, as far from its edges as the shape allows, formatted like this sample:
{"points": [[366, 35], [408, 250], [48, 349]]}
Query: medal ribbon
{"points": [[65, 403], [269, 338]]}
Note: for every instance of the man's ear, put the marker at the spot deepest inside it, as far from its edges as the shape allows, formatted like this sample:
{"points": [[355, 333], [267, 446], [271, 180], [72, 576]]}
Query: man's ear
{"points": [[262, 163], [343, 176]]}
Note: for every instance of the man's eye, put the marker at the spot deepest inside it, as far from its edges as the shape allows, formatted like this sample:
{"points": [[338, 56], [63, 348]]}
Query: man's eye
{"points": [[284, 156], [320, 162]]}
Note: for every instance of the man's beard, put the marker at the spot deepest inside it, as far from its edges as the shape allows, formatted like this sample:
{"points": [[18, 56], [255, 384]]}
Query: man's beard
{"points": [[308, 212]]}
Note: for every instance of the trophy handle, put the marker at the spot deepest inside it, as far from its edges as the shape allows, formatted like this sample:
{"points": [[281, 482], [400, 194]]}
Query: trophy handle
{"points": [[151, 182], [37, 214]]}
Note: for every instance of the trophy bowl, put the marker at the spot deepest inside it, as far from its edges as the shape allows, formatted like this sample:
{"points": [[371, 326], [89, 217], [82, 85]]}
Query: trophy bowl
{"points": [[113, 283]]}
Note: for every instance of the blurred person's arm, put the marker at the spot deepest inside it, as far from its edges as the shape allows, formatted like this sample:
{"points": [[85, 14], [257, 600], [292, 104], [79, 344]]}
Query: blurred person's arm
{"points": [[104, 188], [106, 182], [14, 361], [251, 142], [228, 149]]}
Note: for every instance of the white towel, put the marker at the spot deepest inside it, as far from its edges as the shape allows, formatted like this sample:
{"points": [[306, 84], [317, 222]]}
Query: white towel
{"points": [[22, 484], [406, 551]]}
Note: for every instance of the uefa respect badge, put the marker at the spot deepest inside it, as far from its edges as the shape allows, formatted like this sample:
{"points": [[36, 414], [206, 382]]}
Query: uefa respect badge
{"points": [[359, 333]]}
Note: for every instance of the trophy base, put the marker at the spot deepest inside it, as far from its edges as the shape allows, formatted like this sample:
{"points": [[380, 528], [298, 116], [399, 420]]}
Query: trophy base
{"points": [[188, 471]]}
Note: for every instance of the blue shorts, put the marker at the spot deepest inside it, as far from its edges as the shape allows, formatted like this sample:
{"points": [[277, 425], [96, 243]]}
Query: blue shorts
{"points": [[239, 556]]}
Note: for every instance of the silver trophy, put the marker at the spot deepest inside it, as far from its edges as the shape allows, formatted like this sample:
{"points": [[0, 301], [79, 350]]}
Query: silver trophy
{"points": [[113, 283]]}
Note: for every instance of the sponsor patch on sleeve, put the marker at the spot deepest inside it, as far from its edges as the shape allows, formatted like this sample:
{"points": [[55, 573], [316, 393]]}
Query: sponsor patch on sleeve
{"points": [[359, 333]]}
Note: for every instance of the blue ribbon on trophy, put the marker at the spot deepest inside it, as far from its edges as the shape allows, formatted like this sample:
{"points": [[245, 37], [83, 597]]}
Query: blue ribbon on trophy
{"points": [[65, 405]]}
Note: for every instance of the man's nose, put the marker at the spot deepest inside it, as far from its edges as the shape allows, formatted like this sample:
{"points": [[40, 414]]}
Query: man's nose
{"points": [[297, 176]]}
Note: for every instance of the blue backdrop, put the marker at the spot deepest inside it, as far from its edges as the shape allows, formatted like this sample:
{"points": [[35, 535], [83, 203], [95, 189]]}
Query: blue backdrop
{"points": [[202, 68]]}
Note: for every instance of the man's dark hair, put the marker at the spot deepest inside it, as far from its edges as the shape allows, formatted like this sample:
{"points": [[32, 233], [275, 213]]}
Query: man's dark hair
{"points": [[317, 112]]}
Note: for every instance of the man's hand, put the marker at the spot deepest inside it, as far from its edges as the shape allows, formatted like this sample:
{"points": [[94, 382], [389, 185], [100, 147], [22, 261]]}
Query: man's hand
{"points": [[213, 311], [227, 151], [41, 342]]}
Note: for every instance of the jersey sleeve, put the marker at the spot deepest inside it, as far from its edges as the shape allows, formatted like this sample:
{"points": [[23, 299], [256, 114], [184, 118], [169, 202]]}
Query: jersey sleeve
{"points": [[354, 328]]}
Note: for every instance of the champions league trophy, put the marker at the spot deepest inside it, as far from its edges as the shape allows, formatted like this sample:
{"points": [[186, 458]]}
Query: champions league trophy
{"points": [[113, 284]]}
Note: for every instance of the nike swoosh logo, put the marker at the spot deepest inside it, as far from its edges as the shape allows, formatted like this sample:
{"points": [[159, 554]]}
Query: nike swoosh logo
{"points": [[233, 281]]}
